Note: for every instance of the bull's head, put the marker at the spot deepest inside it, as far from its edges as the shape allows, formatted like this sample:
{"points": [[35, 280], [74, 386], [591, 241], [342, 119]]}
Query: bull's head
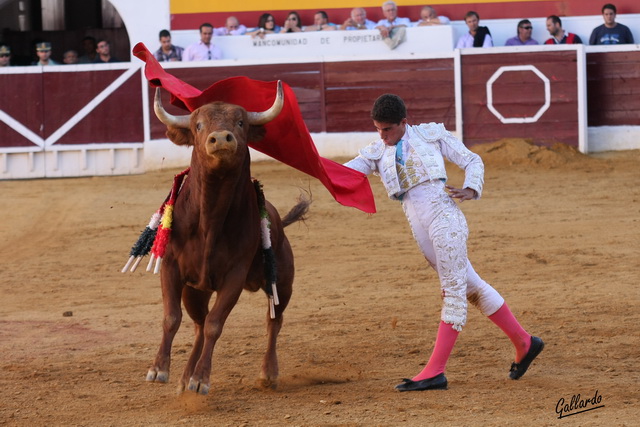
{"points": [[218, 130]]}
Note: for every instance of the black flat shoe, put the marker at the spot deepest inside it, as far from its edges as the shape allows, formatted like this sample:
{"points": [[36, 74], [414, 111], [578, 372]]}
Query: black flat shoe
{"points": [[439, 382], [518, 369]]}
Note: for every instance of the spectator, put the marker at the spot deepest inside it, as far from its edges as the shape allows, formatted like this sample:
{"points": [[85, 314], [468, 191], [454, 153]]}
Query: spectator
{"points": [[266, 25], [104, 53], [5, 55], [392, 29], [358, 20], [429, 16], [611, 32], [89, 46], [559, 35], [524, 35], [321, 23], [232, 28], [167, 51], [203, 50], [70, 57], [292, 24], [43, 50], [477, 36]]}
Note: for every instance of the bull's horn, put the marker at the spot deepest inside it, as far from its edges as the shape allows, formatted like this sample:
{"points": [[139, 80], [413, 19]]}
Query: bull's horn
{"points": [[266, 116], [166, 118]]}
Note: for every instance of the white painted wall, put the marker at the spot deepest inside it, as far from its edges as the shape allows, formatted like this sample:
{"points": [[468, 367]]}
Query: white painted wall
{"points": [[144, 19]]}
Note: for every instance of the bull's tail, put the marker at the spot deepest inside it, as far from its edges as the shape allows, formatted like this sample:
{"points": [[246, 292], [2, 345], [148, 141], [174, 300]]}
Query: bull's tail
{"points": [[299, 211]]}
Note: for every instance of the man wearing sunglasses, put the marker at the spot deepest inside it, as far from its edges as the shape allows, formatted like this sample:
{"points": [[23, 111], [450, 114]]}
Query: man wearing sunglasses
{"points": [[524, 35]]}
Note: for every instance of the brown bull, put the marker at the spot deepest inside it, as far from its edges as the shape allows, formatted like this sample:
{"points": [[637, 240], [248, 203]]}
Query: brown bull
{"points": [[216, 244]]}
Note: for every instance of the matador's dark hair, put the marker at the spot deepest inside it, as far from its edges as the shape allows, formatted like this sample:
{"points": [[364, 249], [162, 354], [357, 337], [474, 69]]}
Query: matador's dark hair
{"points": [[389, 108]]}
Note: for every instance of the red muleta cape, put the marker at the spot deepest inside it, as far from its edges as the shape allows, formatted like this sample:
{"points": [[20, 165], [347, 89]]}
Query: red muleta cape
{"points": [[287, 138]]}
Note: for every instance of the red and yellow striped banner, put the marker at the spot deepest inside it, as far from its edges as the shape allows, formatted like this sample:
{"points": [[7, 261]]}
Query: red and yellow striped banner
{"points": [[189, 14]]}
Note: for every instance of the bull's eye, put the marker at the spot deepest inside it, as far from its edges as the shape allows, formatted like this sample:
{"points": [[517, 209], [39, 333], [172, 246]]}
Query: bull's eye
{"points": [[199, 127], [240, 123]]}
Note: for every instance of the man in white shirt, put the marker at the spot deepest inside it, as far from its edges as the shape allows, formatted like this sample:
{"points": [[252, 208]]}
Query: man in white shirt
{"points": [[321, 23], [204, 50], [392, 29], [477, 36], [233, 27], [429, 16], [358, 20]]}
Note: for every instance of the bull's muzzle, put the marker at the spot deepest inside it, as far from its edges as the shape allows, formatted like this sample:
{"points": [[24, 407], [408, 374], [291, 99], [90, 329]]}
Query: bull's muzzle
{"points": [[221, 140]]}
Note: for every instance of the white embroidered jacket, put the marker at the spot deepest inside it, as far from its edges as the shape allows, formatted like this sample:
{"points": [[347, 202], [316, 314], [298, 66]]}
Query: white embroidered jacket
{"points": [[431, 142]]}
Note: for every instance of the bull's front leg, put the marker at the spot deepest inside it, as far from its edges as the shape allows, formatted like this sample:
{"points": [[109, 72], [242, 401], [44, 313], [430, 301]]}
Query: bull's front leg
{"points": [[196, 303], [171, 294], [226, 299]]}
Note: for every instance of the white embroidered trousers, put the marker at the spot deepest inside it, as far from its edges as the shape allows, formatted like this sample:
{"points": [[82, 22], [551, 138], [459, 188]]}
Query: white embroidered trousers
{"points": [[441, 231]]}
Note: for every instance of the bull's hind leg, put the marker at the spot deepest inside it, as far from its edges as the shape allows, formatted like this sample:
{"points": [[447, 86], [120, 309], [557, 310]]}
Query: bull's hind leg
{"points": [[270, 371], [171, 291], [196, 303]]}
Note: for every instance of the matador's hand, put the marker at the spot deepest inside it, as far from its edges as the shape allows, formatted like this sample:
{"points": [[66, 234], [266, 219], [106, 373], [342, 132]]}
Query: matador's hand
{"points": [[461, 193]]}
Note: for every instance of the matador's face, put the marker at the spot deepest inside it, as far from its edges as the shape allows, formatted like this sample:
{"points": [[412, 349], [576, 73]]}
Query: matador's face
{"points": [[391, 133]]}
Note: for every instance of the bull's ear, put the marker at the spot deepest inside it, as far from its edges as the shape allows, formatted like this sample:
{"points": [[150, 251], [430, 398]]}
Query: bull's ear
{"points": [[256, 133], [180, 136]]}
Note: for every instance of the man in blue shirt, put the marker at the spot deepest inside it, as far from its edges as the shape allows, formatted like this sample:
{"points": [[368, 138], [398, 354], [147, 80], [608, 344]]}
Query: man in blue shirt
{"points": [[610, 32], [392, 29]]}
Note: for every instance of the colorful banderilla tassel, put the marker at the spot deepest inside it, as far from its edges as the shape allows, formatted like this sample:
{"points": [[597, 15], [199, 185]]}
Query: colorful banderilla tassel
{"points": [[144, 243], [164, 230], [155, 236]]}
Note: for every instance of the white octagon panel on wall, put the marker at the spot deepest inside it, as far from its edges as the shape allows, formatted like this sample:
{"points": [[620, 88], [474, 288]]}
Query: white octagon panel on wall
{"points": [[518, 68]]}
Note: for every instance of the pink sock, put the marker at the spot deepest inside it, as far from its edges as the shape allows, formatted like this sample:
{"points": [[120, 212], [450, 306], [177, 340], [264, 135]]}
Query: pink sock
{"points": [[520, 338], [438, 361]]}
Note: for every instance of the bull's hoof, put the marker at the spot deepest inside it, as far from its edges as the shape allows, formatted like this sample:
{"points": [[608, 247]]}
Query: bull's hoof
{"points": [[158, 376], [198, 387], [267, 383]]}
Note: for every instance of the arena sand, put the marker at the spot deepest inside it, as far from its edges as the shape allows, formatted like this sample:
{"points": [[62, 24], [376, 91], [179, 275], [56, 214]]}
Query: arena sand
{"points": [[556, 232]]}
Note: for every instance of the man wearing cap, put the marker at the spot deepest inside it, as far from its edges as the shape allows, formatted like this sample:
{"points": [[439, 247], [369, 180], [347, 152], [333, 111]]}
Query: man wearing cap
{"points": [[43, 50], [5, 55]]}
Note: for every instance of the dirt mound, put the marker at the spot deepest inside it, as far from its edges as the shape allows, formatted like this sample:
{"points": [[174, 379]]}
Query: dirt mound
{"points": [[516, 151]]}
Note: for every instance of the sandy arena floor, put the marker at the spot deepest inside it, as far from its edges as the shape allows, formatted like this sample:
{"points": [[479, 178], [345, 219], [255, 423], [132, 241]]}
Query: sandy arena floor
{"points": [[556, 232]]}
